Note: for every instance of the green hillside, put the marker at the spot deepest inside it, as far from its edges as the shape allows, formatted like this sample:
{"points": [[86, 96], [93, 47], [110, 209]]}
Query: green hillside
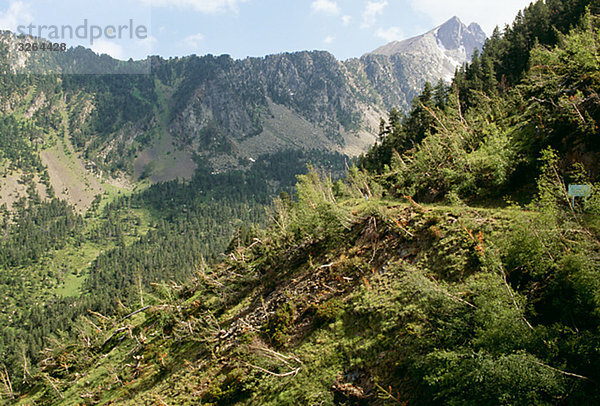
{"points": [[449, 267], [347, 301]]}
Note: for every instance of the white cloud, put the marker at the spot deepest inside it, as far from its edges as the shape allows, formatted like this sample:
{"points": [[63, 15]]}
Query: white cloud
{"points": [[390, 34], [18, 13], [325, 7], [346, 20], [203, 6], [487, 13], [329, 39], [372, 11], [102, 46], [147, 45], [192, 42]]}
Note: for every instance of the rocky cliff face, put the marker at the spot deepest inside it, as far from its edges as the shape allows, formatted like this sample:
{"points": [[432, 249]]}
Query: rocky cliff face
{"points": [[229, 112], [302, 100], [407, 65], [310, 99]]}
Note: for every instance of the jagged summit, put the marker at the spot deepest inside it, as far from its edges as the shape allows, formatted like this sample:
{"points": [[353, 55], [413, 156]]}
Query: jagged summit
{"points": [[453, 38], [428, 57], [454, 35]]}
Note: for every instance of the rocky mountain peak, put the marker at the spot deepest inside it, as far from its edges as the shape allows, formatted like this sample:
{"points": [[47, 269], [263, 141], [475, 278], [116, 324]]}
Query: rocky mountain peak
{"points": [[452, 38], [454, 35], [429, 57]]}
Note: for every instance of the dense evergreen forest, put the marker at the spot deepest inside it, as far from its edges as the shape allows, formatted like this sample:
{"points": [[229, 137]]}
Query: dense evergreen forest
{"points": [[448, 267], [57, 266]]}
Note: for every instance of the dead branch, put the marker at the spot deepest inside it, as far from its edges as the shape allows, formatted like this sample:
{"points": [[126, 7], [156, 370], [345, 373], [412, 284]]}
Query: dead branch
{"points": [[294, 372], [578, 112], [278, 355], [332, 289], [114, 333], [388, 393], [103, 317], [401, 227], [435, 116], [136, 312], [415, 204], [53, 385], [512, 296], [439, 289], [563, 372], [98, 329], [7, 383]]}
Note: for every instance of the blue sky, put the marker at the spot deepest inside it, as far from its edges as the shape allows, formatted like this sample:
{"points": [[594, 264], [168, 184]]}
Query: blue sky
{"points": [[240, 28]]}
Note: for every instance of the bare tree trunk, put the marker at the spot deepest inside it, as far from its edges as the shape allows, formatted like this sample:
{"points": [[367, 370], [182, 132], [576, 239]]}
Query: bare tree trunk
{"points": [[7, 384]]}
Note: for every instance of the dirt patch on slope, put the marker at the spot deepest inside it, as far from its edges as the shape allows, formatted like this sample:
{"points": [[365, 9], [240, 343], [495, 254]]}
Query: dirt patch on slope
{"points": [[12, 189], [69, 178]]}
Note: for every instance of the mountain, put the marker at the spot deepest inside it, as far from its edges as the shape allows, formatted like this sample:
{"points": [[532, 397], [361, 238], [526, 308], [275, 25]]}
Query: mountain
{"points": [[223, 111], [452, 43], [421, 282], [116, 182], [408, 64], [449, 267]]}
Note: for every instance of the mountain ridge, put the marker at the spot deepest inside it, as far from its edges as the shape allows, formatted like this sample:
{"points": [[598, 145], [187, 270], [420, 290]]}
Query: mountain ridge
{"points": [[452, 43], [415, 279], [218, 109]]}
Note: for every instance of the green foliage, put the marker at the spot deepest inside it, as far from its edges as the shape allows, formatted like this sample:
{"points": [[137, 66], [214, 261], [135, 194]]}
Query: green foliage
{"points": [[278, 327], [316, 216], [542, 22], [163, 233], [37, 230], [561, 86], [30, 238], [532, 87], [18, 142], [515, 379], [468, 156], [346, 297], [231, 390], [328, 311], [400, 134], [462, 306]]}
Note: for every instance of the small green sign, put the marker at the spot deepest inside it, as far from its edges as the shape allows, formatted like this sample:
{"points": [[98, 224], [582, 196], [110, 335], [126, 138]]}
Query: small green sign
{"points": [[580, 190]]}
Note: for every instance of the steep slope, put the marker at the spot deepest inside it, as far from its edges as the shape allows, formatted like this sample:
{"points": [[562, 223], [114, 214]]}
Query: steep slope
{"points": [[452, 43], [355, 293], [222, 111], [378, 302], [303, 100], [483, 136]]}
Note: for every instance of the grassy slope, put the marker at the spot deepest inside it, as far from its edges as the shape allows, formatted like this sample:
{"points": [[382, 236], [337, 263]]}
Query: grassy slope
{"points": [[167, 160], [69, 178]]}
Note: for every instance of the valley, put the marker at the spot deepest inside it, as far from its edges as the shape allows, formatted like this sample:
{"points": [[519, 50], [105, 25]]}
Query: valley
{"points": [[295, 229]]}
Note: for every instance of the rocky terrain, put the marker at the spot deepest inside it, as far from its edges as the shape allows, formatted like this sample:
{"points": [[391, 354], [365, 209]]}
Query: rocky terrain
{"points": [[223, 111], [408, 64]]}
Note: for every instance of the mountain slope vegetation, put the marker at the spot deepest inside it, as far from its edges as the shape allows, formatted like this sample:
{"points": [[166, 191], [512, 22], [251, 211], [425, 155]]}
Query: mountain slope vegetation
{"points": [[346, 301], [225, 111], [450, 267]]}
